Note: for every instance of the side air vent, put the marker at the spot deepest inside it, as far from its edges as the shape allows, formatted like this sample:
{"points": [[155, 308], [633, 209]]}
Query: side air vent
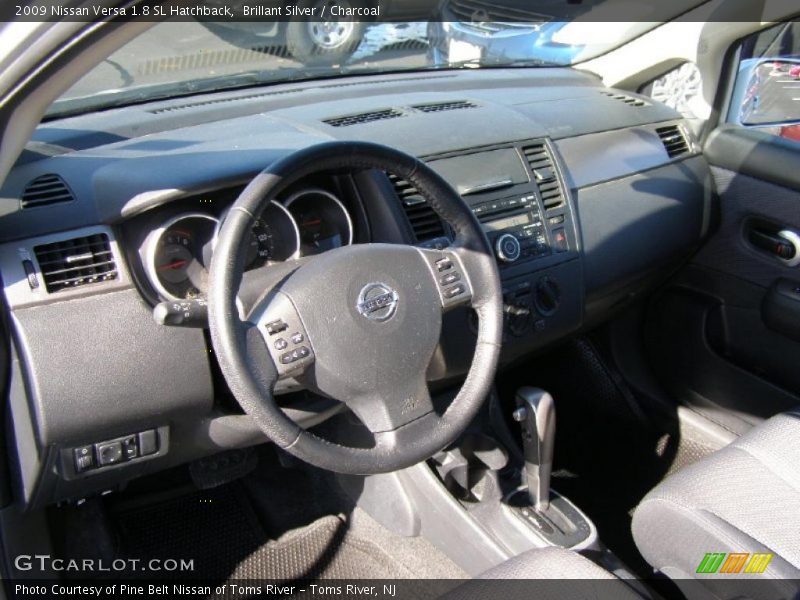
{"points": [[443, 106], [361, 118], [75, 262], [46, 190], [423, 219], [544, 174], [625, 99], [673, 139]]}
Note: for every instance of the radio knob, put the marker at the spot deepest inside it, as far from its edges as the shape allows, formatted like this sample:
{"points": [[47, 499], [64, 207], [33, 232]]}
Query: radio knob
{"points": [[507, 248]]}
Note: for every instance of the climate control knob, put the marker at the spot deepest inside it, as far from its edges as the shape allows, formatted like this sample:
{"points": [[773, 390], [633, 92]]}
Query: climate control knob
{"points": [[507, 248], [547, 296]]}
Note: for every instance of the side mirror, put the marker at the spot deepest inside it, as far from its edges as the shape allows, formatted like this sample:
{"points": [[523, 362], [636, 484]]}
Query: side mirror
{"points": [[767, 94]]}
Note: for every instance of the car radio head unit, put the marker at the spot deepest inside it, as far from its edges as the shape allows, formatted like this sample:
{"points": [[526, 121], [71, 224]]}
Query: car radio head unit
{"points": [[516, 193]]}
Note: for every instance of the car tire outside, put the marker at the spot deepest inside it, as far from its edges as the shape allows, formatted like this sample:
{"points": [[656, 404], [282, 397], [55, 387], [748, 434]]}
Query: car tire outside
{"points": [[323, 42]]}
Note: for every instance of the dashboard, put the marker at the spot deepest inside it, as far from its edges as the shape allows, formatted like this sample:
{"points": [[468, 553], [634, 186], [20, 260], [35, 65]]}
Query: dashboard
{"points": [[588, 196]]}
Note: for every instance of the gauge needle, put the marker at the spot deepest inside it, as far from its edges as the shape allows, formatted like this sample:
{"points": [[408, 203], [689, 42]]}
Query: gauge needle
{"points": [[175, 264], [311, 222]]}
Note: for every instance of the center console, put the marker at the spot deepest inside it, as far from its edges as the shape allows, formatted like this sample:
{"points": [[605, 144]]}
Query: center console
{"points": [[518, 194]]}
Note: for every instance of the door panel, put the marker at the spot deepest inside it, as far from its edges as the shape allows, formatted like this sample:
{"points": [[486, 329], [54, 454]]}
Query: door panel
{"points": [[707, 336]]}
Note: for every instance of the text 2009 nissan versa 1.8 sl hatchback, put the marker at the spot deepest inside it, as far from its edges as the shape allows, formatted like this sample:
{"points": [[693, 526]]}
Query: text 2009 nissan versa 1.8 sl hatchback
{"points": [[290, 305]]}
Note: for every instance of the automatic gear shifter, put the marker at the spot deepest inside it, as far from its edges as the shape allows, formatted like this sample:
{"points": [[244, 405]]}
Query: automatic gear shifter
{"points": [[554, 518], [536, 414]]}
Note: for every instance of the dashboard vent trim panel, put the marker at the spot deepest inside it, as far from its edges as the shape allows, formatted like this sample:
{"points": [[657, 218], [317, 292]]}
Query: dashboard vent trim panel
{"points": [[626, 99], [674, 140], [71, 263], [363, 118], [46, 190], [545, 175], [424, 221], [192, 105], [435, 107]]}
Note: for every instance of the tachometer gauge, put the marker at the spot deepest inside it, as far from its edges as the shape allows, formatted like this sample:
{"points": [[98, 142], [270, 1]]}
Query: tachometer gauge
{"points": [[274, 237], [177, 256], [322, 219]]}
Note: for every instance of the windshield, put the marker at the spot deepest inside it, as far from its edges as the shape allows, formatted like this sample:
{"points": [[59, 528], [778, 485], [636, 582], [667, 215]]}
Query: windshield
{"points": [[180, 58]]}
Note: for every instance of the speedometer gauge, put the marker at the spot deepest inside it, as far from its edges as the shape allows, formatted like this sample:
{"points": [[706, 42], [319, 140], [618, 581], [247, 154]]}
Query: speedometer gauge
{"points": [[177, 256], [274, 237], [322, 219]]}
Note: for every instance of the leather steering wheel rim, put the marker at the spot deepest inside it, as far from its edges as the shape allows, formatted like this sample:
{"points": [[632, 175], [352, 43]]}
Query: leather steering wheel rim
{"points": [[242, 348]]}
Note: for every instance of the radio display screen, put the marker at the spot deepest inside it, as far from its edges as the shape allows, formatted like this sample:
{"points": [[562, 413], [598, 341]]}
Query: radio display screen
{"points": [[508, 222], [482, 171]]}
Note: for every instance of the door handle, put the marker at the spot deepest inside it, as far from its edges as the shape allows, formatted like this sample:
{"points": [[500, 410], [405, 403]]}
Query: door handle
{"points": [[783, 244]]}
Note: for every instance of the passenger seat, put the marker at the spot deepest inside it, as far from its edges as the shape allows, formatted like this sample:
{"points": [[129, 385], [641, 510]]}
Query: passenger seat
{"points": [[743, 500]]}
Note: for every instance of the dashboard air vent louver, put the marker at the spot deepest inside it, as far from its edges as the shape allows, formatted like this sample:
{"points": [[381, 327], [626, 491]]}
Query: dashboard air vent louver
{"points": [[75, 262], [46, 190], [192, 105], [361, 118], [544, 174], [423, 219], [443, 106], [673, 139], [625, 99]]}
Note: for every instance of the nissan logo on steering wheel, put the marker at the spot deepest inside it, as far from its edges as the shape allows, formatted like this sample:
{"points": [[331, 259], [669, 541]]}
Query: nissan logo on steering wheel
{"points": [[377, 302]]}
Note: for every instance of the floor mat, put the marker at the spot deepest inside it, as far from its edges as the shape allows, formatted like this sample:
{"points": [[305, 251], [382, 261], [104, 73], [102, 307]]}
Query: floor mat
{"points": [[221, 533], [322, 550]]}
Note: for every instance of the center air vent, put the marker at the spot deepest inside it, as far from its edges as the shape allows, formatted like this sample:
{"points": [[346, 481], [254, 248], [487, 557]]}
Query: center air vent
{"points": [[673, 139], [361, 118], [76, 262], [423, 219], [46, 190], [625, 99], [544, 174], [442, 106]]}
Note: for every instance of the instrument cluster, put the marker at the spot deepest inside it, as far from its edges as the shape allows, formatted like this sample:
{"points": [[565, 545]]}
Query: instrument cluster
{"points": [[177, 254]]}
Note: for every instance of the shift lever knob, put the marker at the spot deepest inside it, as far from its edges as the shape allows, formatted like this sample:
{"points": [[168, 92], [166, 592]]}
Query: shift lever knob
{"points": [[536, 413]]}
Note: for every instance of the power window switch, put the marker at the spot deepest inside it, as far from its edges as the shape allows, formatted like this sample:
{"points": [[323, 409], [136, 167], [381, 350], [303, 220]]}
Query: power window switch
{"points": [[109, 453], [83, 458], [148, 442]]}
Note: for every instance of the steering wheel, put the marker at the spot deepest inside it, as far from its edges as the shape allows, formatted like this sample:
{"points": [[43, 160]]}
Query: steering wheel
{"points": [[359, 323]]}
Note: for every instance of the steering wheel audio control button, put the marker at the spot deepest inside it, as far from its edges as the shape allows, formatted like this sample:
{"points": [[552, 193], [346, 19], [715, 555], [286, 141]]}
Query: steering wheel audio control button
{"points": [[449, 274], [277, 314], [444, 264], [454, 291], [450, 278], [274, 327], [295, 355]]}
